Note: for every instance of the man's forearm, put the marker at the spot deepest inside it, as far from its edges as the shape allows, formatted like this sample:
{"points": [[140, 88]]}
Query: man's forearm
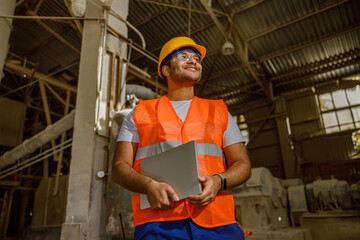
{"points": [[122, 170], [240, 167], [237, 174], [129, 178]]}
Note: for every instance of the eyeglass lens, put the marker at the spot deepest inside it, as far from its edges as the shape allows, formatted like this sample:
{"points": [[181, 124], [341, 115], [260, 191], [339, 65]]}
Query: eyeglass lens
{"points": [[184, 55]]}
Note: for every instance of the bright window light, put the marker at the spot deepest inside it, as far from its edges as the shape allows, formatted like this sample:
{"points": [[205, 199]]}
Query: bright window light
{"points": [[326, 102], [330, 119], [353, 95], [340, 109], [344, 116], [356, 113], [340, 99]]}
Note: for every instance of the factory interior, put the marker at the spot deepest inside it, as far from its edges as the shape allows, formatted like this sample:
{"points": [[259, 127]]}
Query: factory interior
{"points": [[71, 71]]}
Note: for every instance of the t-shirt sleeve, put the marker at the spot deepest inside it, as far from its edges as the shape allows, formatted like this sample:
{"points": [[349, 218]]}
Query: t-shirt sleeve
{"points": [[232, 134], [128, 131]]}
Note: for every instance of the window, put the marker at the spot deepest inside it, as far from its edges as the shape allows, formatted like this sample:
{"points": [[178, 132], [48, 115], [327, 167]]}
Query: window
{"points": [[340, 110]]}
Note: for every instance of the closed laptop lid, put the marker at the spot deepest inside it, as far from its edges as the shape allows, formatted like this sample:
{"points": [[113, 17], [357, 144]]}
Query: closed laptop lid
{"points": [[177, 167]]}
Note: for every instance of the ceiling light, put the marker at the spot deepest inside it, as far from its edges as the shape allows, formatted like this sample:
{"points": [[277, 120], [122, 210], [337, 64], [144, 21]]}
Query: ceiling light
{"points": [[227, 48]]}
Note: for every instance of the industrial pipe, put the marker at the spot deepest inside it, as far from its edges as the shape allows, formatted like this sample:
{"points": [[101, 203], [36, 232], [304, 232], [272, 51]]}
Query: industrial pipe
{"points": [[144, 76], [131, 26], [33, 143], [140, 92]]}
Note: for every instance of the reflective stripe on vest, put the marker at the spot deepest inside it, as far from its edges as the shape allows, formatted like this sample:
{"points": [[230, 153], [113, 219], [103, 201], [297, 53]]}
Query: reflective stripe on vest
{"points": [[156, 148]]}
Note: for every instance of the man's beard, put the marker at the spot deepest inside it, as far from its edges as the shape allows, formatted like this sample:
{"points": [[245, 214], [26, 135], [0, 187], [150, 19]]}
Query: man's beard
{"points": [[181, 76]]}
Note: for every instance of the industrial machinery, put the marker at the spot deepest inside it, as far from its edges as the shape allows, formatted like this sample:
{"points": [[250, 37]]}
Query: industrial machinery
{"points": [[289, 209], [261, 206], [119, 223], [119, 218], [330, 208]]}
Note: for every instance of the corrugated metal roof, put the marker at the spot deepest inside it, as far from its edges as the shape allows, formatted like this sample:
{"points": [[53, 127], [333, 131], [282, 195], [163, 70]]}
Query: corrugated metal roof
{"points": [[283, 36], [50, 52], [294, 44]]}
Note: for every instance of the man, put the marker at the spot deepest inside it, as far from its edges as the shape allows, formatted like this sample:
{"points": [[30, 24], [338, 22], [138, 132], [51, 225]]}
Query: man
{"points": [[174, 119]]}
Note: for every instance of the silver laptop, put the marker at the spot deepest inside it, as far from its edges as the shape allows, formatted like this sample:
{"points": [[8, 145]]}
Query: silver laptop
{"points": [[178, 167]]}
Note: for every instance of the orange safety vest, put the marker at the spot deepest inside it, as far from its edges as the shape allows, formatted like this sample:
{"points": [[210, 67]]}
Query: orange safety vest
{"points": [[161, 129]]}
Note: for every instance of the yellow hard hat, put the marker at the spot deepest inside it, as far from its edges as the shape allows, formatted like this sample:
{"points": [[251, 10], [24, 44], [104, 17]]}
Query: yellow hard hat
{"points": [[176, 43]]}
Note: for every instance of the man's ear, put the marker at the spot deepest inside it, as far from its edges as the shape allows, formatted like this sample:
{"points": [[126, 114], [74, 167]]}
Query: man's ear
{"points": [[165, 70]]}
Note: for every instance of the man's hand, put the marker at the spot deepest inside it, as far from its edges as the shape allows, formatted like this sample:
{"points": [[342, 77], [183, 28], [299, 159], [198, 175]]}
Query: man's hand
{"points": [[160, 195], [211, 186]]}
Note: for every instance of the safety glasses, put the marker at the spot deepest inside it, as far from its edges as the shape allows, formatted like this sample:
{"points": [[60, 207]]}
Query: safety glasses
{"points": [[185, 56]]}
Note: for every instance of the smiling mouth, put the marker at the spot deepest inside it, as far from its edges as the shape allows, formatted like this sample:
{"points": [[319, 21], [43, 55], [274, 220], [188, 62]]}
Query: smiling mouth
{"points": [[192, 67]]}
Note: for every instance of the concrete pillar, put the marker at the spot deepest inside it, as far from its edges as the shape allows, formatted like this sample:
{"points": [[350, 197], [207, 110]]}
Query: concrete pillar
{"points": [[7, 8], [80, 223], [86, 210], [288, 156]]}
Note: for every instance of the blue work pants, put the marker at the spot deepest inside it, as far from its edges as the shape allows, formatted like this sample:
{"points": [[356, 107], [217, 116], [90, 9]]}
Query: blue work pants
{"points": [[186, 230]]}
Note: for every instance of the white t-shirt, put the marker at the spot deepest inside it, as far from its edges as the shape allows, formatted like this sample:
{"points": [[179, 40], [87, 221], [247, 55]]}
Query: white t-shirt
{"points": [[129, 132]]}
